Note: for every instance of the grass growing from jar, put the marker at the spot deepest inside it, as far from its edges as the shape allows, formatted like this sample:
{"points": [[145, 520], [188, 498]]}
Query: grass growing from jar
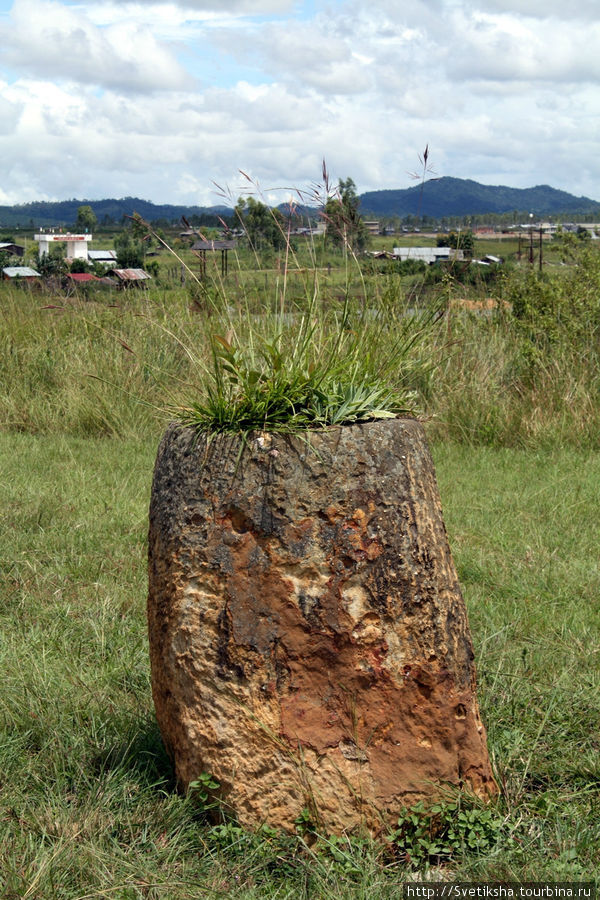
{"points": [[316, 374], [297, 358]]}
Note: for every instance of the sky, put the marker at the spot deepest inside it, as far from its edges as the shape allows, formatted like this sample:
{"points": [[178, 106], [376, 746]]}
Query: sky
{"points": [[170, 100]]}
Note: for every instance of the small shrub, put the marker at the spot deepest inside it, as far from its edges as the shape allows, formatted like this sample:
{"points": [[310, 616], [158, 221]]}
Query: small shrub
{"points": [[347, 853], [430, 835], [305, 822], [79, 265], [204, 790]]}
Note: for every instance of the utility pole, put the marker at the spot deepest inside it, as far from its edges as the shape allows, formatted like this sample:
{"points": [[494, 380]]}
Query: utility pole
{"points": [[530, 238]]}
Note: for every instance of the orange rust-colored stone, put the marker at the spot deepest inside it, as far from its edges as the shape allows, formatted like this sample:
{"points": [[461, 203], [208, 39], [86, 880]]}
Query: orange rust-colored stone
{"points": [[309, 642]]}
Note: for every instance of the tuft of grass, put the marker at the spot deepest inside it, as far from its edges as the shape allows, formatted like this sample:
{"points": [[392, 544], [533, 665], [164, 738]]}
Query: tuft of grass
{"points": [[300, 360], [318, 372]]}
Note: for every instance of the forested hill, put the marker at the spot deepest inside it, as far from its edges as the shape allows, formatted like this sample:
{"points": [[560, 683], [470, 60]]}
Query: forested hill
{"points": [[462, 197], [438, 198], [64, 212]]}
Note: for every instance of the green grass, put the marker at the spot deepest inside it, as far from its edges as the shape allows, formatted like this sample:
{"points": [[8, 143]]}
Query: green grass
{"points": [[92, 367], [115, 364], [88, 807], [524, 530], [87, 802]]}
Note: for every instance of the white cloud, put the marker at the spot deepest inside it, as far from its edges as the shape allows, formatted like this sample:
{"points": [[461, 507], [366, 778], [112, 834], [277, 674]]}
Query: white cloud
{"points": [[47, 39], [314, 57], [508, 49], [9, 113], [215, 7], [160, 99], [543, 9]]}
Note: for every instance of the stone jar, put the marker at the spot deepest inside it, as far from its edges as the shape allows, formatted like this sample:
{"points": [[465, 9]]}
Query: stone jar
{"points": [[309, 641]]}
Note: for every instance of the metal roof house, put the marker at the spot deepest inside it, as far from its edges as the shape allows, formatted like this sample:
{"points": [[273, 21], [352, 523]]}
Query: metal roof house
{"points": [[23, 273], [81, 277], [130, 277], [429, 255], [12, 249], [102, 256]]}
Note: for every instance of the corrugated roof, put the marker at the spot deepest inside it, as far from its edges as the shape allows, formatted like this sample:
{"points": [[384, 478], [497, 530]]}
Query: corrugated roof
{"points": [[426, 254], [99, 255], [130, 274], [82, 276], [20, 272]]}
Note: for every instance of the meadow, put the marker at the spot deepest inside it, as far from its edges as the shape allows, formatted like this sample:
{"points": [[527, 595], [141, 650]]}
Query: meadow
{"points": [[510, 399]]}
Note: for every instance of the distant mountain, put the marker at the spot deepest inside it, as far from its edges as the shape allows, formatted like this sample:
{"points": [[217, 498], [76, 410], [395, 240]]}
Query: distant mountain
{"points": [[445, 197], [64, 212], [439, 198]]}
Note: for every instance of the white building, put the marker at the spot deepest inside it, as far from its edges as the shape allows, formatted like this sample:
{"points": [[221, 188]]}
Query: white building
{"points": [[108, 257], [427, 255], [76, 244]]}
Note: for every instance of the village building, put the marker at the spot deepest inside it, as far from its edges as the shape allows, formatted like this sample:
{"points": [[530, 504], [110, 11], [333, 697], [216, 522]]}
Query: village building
{"points": [[20, 273], [106, 257], [81, 277], [201, 247], [429, 255], [130, 277], [77, 244], [12, 249], [372, 226]]}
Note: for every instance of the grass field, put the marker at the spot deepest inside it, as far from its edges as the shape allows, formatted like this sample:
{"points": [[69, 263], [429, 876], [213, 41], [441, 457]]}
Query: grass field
{"points": [[88, 807]]}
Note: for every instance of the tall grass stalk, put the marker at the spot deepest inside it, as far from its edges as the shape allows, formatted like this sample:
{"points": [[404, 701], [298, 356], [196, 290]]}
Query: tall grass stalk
{"points": [[296, 362], [493, 387]]}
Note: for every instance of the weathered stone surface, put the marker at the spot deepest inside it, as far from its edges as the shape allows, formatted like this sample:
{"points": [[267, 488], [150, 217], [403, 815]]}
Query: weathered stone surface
{"points": [[309, 641]]}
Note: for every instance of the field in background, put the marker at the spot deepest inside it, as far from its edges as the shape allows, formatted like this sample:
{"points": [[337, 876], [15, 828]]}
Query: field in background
{"points": [[109, 362], [88, 808]]}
